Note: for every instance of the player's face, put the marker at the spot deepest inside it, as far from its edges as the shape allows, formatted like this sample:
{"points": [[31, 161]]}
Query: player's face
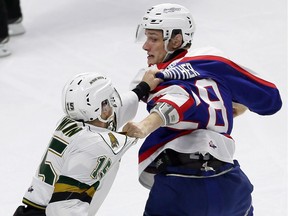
{"points": [[154, 45], [107, 110]]}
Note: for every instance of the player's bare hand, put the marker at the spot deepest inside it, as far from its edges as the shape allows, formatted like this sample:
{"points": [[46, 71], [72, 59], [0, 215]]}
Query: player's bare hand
{"points": [[133, 129], [238, 109], [150, 79]]}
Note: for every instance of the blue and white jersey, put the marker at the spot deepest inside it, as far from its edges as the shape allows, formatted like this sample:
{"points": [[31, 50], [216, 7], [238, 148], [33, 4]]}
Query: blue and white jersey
{"points": [[202, 88]]}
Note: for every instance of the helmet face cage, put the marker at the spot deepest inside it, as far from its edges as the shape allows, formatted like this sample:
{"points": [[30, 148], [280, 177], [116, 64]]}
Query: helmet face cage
{"points": [[167, 17], [83, 96]]}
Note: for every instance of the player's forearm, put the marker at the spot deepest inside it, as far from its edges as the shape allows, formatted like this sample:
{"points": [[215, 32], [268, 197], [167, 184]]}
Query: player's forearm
{"points": [[152, 122], [145, 127]]}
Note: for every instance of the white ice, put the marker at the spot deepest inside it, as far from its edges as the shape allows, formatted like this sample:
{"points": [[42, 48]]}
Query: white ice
{"points": [[68, 37]]}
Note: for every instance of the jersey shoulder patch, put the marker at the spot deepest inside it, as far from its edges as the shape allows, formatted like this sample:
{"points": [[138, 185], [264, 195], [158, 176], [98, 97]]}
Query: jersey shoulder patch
{"points": [[115, 141]]}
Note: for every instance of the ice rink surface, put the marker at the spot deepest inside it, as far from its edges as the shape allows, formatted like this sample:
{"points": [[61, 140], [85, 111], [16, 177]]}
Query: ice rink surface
{"points": [[68, 37]]}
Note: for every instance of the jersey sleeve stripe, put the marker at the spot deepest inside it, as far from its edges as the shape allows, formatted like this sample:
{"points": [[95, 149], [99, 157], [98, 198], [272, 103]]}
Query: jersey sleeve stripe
{"points": [[68, 188], [30, 203]]}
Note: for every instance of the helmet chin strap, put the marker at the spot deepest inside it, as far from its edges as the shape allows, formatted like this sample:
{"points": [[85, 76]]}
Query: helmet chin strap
{"points": [[111, 123], [106, 120]]}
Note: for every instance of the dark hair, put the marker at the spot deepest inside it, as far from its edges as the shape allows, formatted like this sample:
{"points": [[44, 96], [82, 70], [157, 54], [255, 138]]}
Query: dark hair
{"points": [[175, 32]]}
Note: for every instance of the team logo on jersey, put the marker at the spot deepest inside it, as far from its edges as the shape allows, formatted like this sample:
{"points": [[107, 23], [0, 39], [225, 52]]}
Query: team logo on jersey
{"points": [[113, 140], [30, 189], [212, 145], [116, 141]]}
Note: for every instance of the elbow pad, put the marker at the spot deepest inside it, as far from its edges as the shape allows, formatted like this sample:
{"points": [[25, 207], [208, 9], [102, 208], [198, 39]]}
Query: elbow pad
{"points": [[167, 112]]}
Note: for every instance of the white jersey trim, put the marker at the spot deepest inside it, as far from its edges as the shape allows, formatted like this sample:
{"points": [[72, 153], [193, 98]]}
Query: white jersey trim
{"points": [[200, 141]]}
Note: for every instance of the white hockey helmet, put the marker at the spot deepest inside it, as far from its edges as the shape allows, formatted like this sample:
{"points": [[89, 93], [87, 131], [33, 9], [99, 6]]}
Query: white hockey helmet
{"points": [[83, 96], [168, 17]]}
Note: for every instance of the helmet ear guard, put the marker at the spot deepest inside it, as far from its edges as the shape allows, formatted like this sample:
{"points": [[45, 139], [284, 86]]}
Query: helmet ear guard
{"points": [[167, 17], [83, 95]]}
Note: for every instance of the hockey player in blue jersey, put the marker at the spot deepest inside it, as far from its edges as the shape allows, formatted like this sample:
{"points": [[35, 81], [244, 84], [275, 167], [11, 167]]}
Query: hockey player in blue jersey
{"points": [[187, 160]]}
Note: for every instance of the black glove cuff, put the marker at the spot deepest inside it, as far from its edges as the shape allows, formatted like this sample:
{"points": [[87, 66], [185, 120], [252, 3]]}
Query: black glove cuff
{"points": [[142, 90], [29, 210]]}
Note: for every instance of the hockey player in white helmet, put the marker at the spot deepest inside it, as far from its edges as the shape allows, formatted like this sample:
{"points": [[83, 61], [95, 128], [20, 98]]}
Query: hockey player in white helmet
{"points": [[83, 155], [187, 159], [171, 20]]}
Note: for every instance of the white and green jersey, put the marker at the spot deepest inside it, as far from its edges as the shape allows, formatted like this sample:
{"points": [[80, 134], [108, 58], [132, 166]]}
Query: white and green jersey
{"points": [[79, 166]]}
